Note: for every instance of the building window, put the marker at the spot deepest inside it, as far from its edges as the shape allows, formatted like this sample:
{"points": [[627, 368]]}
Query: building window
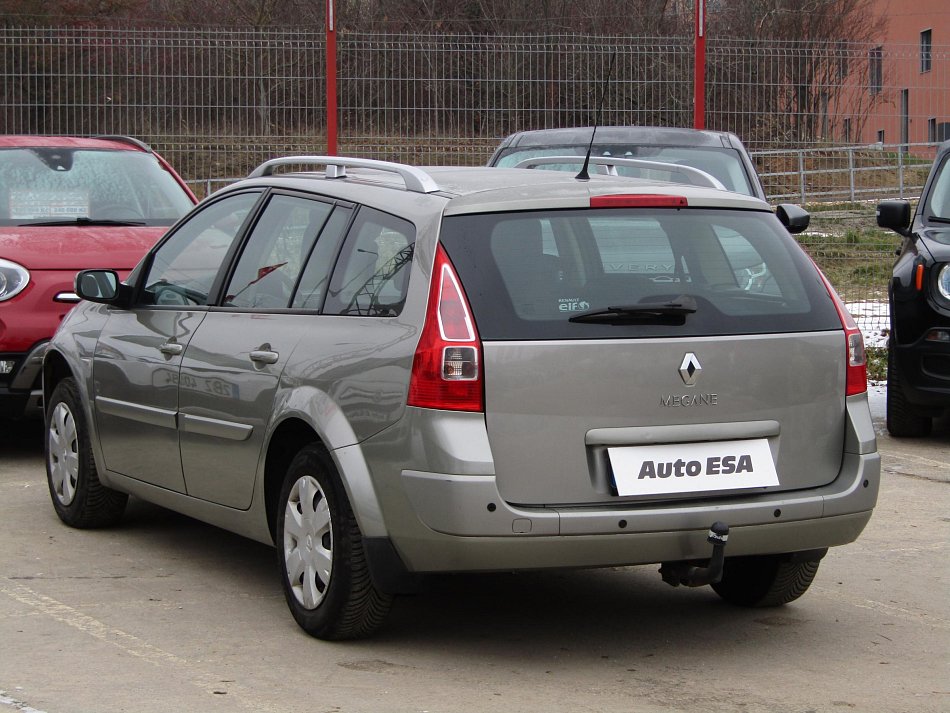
{"points": [[876, 70], [846, 130], [926, 50], [842, 52], [932, 130], [880, 137]]}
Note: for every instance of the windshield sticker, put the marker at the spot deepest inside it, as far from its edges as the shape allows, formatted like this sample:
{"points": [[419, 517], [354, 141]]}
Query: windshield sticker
{"points": [[29, 205], [572, 304]]}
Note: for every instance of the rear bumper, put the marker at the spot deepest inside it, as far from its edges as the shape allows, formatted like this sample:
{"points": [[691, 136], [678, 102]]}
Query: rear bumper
{"points": [[467, 526]]}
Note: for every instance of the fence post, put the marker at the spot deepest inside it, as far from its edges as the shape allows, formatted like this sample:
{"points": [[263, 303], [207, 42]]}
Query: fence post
{"points": [[331, 81], [699, 67], [801, 174], [851, 171], [900, 171]]}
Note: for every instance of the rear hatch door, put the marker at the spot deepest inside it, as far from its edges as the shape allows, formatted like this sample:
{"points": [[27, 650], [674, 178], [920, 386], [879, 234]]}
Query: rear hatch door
{"points": [[651, 353]]}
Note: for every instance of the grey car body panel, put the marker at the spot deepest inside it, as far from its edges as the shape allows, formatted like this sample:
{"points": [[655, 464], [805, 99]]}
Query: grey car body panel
{"points": [[439, 484], [136, 392], [579, 386], [226, 400]]}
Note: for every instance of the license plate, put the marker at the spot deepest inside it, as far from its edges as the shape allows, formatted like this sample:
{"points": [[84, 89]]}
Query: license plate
{"points": [[683, 468]]}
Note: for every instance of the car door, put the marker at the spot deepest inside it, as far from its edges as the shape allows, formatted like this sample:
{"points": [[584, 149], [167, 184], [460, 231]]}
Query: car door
{"points": [[139, 351], [233, 363]]}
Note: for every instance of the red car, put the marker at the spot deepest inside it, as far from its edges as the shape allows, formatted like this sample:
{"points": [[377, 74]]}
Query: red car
{"points": [[66, 204]]}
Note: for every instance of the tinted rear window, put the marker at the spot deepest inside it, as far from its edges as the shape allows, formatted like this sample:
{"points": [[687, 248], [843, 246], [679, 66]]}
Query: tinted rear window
{"points": [[527, 274]]}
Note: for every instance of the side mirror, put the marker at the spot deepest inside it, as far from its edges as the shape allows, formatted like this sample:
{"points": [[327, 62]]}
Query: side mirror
{"points": [[793, 217], [894, 215], [101, 286]]}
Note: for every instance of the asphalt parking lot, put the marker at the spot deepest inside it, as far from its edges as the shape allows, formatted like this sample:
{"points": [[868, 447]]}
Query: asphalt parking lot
{"points": [[164, 613]]}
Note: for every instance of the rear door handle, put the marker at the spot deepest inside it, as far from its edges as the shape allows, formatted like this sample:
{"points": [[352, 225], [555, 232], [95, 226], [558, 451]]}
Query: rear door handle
{"points": [[262, 356], [171, 349]]}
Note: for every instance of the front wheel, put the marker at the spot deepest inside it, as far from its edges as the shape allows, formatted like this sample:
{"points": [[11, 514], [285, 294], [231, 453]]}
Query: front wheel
{"points": [[903, 420], [765, 580], [323, 566], [78, 497]]}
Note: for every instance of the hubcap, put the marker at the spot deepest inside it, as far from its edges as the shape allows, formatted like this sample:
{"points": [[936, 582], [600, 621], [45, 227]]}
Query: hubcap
{"points": [[308, 542], [63, 453]]}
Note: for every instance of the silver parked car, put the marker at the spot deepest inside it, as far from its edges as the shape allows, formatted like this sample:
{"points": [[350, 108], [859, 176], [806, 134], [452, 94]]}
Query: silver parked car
{"points": [[387, 371]]}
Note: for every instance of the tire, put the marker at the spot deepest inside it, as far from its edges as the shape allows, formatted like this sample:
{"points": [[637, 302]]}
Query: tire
{"points": [[764, 580], [323, 567], [903, 421], [79, 499]]}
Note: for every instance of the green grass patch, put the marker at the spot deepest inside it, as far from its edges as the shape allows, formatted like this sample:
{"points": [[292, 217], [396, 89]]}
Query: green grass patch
{"points": [[877, 363]]}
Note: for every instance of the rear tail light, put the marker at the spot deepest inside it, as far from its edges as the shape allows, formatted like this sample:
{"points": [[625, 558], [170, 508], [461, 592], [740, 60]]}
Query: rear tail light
{"points": [[446, 370], [857, 367]]}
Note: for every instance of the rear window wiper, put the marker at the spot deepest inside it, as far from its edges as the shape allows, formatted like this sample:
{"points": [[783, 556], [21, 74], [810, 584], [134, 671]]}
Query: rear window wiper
{"points": [[80, 221], [672, 312]]}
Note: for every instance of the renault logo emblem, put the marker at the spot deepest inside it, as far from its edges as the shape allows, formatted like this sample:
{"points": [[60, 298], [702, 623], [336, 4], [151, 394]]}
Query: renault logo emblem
{"points": [[689, 369]]}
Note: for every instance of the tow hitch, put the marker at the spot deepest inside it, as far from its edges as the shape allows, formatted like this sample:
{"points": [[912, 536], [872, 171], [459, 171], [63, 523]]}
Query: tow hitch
{"points": [[689, 575]]}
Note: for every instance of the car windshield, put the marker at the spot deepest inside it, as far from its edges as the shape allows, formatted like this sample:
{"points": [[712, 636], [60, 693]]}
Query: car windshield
{"points": [[938, 204], [722, 163], [52, 185]]}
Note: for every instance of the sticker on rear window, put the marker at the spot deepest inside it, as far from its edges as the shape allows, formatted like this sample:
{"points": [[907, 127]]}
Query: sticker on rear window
{"points": [[572, 304]]}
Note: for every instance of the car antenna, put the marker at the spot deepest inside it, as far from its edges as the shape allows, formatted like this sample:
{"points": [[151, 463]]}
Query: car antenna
{"points": [[584, 175]]}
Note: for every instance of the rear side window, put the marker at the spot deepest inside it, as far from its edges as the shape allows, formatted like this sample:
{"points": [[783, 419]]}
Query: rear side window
{"points": [[371, 278], [528, 274], [274, 255]]}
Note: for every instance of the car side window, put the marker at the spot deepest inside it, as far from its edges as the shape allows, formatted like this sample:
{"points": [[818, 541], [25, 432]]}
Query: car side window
{"points": [[371, 278], [316, 274], [274, 255], [183, 269]]}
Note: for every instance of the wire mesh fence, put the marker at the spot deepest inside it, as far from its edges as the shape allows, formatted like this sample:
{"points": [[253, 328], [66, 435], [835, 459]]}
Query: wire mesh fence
{"points": [[218, 101]]}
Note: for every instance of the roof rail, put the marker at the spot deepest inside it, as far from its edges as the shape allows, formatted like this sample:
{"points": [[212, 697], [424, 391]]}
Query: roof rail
{"points": [[125, 140], [700, 177], [417, 180]]}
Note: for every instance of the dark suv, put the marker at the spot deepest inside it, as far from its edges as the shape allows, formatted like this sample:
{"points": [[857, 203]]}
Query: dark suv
{"points": [[918, 365]]}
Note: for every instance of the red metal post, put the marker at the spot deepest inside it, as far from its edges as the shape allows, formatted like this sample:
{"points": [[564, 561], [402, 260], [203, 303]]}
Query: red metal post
{"points": [[331, 81], [699, 68]]}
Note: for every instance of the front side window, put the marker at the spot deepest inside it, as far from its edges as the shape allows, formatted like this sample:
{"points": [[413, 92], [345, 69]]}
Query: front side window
{"points": [[68, 185], [371, 278], [183, 269], [615, 273]]}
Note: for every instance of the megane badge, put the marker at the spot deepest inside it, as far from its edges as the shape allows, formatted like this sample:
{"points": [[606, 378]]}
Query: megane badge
{"points": [[689, 369]]}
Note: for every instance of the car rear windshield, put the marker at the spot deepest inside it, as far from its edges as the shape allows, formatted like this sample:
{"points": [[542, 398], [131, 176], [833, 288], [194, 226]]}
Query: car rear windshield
{"points": [[635, 272], [44, 185], [722, 163]]}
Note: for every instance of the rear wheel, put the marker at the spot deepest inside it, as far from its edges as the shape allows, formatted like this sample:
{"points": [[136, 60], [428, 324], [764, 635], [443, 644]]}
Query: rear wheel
{"points": [[79, 498], [323, 566], [764, 580], [903, 420]]}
